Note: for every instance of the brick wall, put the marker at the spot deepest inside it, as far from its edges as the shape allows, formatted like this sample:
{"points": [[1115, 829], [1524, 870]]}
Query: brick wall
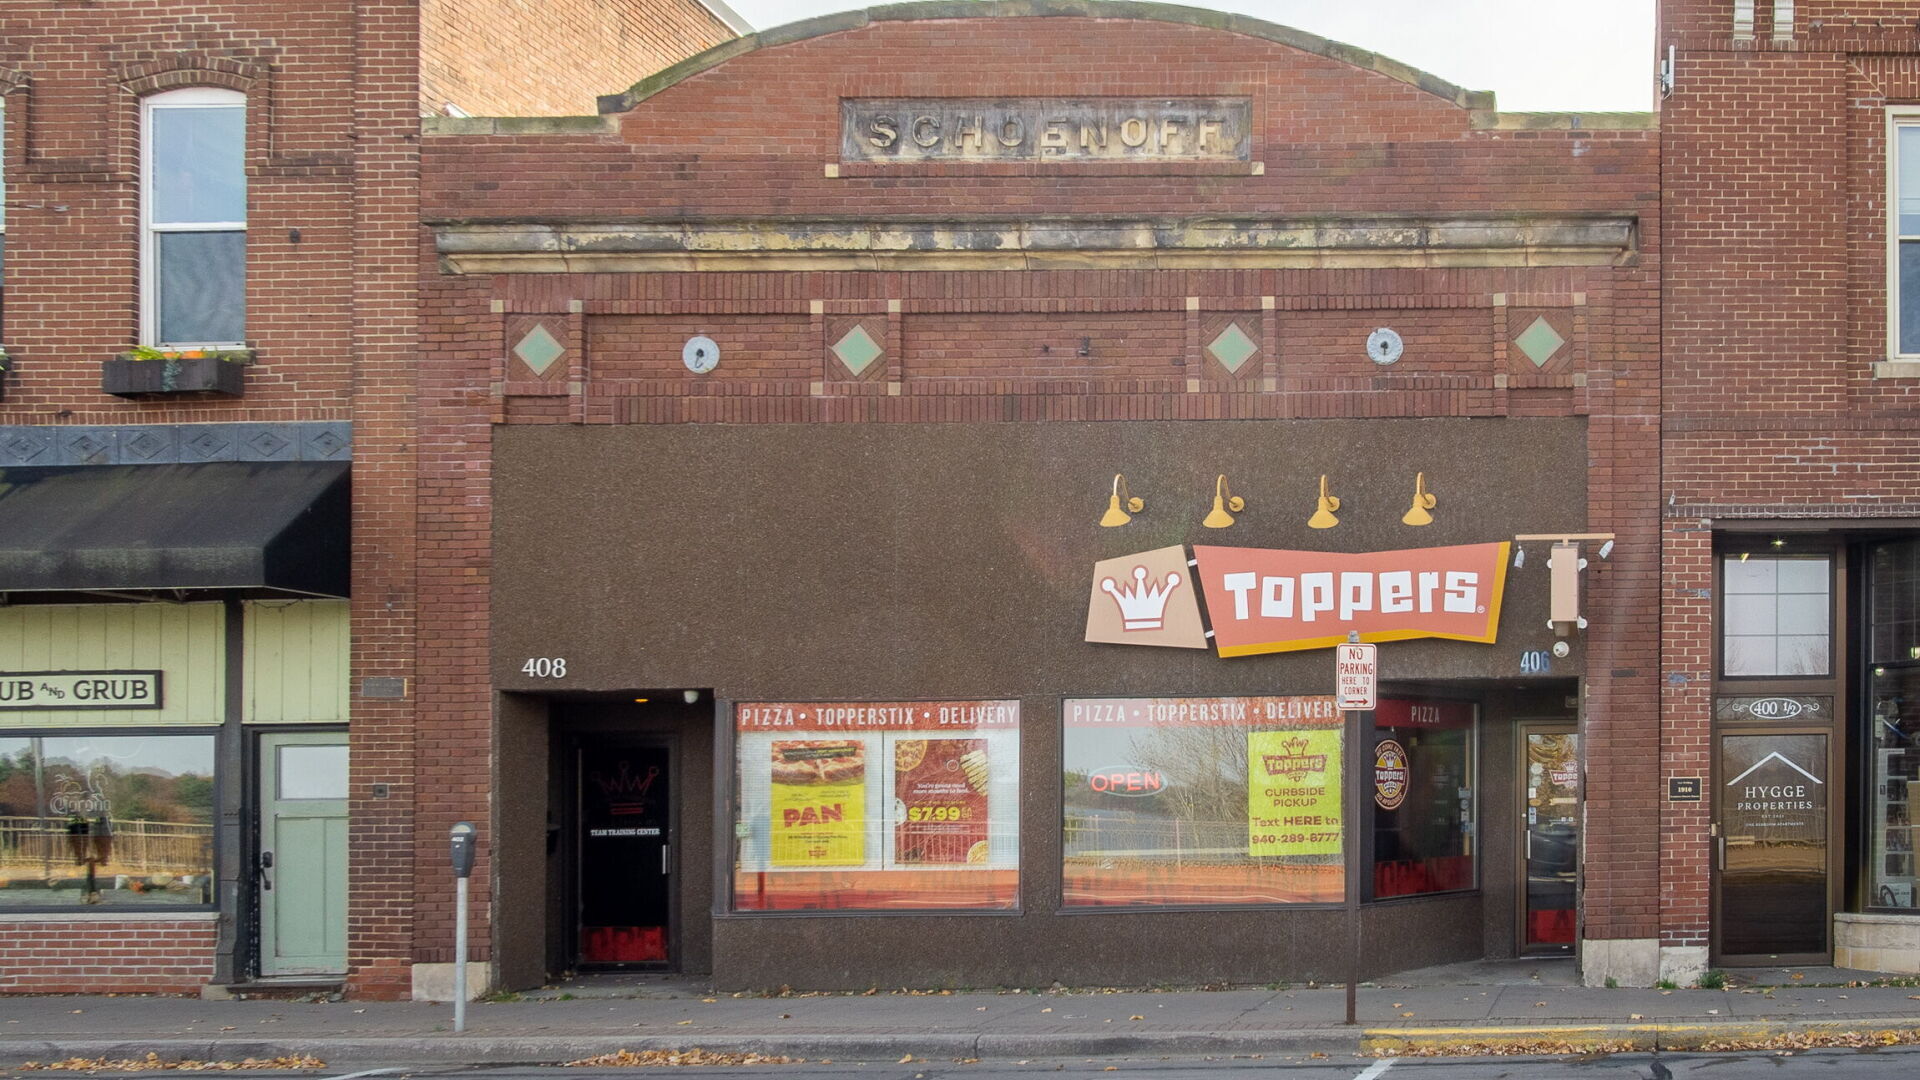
{"points": [[93, 956], [551, 57], [749, 138], [332, 125], [1775, 314], [72, 170]]}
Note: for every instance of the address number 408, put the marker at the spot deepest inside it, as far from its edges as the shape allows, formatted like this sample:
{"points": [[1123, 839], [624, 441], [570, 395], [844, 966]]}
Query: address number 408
{"points": [[545, 667]]}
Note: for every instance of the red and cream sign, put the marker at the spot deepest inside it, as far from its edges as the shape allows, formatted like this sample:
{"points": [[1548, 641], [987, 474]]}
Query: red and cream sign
{"points": [[1145, 599], [1262, 601]]}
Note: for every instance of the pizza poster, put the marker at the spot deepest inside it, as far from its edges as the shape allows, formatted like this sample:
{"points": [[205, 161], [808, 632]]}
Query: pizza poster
{"points": [[1293, 792], [940, 801], [819, 802]]}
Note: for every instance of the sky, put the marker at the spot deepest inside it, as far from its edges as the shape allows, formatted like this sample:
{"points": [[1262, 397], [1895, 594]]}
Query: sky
{"points": [[1536, 55]]}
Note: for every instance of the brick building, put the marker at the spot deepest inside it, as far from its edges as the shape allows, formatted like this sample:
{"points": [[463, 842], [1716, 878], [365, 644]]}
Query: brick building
{"points": [[210, 299], [1789, 637], [817, 433]]}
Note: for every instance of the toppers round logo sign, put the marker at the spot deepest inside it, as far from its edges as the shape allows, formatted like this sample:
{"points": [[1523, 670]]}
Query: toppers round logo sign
{"points": [[1390, 774]]}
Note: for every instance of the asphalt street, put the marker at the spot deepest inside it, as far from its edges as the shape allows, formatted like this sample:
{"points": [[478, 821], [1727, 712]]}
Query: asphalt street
{"points": [[1902, 1063]]}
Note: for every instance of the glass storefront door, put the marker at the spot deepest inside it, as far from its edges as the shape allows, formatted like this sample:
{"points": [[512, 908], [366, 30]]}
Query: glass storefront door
{"points": [[1772, 814], [625, 855], [1551, 858]]}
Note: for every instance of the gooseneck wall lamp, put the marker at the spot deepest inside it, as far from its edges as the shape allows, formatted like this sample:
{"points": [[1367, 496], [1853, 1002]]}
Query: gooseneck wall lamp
{"points": [[1422, 502], [1121, 506], [1223, 501], [1324, 508]]}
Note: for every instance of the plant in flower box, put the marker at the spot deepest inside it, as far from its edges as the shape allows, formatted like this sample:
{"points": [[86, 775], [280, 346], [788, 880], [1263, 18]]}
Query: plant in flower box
{"points": [[147, 370]]}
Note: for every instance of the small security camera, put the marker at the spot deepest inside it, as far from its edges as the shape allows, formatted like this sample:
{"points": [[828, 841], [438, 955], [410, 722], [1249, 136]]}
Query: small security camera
{"points": [[1561, 649]]}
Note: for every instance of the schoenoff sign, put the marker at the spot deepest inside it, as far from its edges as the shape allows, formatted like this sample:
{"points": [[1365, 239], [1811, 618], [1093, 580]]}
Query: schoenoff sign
{"points": [[1045, 129], [1262, 601], [63, 690]]}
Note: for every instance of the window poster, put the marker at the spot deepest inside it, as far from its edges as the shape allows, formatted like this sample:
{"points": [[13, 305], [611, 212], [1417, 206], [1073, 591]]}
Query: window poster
{"points": [[940, 792], [818, 800], [877, 805], [1293, 792]]}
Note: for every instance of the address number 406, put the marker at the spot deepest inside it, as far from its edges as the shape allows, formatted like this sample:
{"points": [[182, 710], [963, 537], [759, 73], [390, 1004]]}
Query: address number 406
{"points": [[545, 667]]}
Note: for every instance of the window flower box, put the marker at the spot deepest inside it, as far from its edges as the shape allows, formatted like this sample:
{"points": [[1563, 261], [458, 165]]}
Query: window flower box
{"points": [[141, 372]]}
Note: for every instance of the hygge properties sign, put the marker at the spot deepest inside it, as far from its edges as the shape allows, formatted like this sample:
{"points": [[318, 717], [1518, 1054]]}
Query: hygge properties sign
{"points": [[1265, 601], [22, 691], [1045, 129]]}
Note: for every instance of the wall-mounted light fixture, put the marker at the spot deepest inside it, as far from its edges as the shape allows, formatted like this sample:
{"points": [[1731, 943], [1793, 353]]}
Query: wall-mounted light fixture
{"points": [[1422, 502], [1564, 564], [1323, 509], [1223, 501], [1121, 505]]}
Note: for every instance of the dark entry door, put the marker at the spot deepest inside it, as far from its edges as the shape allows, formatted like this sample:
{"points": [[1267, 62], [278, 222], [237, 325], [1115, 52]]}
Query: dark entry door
{"points": [[1550, 858], [625, 855], [1772, 848]]}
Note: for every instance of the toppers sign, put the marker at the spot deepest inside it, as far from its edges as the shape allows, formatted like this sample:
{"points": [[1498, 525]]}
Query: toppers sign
{"points": [[1267, 601]]}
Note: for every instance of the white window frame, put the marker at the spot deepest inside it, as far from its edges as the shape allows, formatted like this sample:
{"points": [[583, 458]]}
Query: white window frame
{"points": [[193, 97], [1898, 116]]}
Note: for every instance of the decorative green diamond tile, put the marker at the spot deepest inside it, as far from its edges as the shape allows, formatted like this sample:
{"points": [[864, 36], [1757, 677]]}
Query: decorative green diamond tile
{"points": [[1540, 341], [1233, 348], [857, 350], [539, 349]]}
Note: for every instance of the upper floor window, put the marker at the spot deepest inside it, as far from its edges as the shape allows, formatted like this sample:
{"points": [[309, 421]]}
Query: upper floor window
{"points": [[193, 198], [1904, 230], [1776, 615]]}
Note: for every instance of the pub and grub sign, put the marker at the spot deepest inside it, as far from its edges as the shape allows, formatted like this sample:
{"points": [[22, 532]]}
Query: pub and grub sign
{"points": [[1045, 129], [21, 691]]}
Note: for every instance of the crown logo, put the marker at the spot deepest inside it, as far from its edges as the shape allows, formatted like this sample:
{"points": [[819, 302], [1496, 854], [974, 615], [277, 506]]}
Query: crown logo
{"points": [[1142, 606], [1294, 747]]}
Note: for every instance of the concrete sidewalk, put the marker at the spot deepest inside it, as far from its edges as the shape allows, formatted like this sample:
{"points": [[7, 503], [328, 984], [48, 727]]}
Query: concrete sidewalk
{"points": [[889, 1025]]}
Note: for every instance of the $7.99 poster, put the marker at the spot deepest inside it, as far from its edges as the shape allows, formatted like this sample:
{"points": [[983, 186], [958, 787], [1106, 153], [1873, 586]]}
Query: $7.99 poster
{"points": [[940, 801]]}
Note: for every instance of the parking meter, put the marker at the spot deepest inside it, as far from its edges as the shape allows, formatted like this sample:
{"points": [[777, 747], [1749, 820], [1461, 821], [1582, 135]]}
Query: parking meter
{"points": [[461, 846]]}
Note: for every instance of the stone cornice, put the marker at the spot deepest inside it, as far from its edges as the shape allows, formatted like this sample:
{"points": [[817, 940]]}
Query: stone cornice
{"points": [[1047, 243]]}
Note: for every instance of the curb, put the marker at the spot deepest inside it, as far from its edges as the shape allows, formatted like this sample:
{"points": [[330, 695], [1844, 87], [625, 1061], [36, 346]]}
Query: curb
{"points": [[1648, 1037], [549, 1049]]}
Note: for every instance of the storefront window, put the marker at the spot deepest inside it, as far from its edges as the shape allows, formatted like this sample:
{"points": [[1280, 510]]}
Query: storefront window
{"points": [[1893, 738], [870, 806], [1776, 619], [1202, 801], [120, 820], [1423, 793]]}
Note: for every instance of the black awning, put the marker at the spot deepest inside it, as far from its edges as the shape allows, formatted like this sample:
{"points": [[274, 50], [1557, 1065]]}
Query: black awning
{"points": [[279, 526]]}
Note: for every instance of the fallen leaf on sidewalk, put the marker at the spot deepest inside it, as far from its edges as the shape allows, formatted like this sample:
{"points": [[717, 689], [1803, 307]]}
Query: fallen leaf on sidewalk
{"points": [[1047, 1009], [1635, 1016], [1539, 1004], [1136, 1016], [683, 1023], [695, 1056], [1406, 1014], [153, 1062], [906, 1059]]}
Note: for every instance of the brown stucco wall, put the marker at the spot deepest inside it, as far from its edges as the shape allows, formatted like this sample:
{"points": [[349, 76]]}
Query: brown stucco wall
{"points": [[890, 562]]}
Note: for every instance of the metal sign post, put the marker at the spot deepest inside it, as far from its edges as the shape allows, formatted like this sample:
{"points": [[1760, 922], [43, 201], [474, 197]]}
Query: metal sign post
{"points": [[1357, 686], [461, 844]]}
